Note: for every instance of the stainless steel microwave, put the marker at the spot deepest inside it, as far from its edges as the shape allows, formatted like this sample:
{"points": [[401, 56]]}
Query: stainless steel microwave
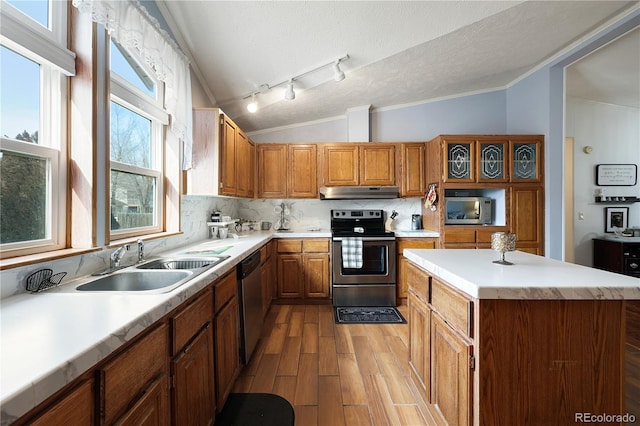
{"points": [[468, 210]]}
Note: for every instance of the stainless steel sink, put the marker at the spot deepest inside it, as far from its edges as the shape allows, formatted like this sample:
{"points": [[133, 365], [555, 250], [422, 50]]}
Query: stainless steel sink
{"points": [[182, 263], [138, 281]]}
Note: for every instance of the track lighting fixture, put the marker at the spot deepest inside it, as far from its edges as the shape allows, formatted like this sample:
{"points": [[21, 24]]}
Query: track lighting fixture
{"points": [[338, 74], [252, 106], [290, 94]]}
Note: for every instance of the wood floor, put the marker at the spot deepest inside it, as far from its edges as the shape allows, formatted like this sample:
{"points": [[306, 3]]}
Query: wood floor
{"points": [[335, 374]]}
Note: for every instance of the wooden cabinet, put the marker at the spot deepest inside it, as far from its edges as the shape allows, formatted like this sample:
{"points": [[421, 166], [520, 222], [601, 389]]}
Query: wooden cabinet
{"points": [[371, 164], [464, 237], [287, 171], [304, 268], [223, 157], [527, 218], [75, 407], [412, 170], [226, 337], [192, 365], [403, 263], [526, 159], [419, 329], [267, 274], [134, 384]]}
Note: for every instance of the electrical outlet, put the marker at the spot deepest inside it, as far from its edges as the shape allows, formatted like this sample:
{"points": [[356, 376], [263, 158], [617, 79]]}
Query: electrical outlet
{"points": [[580, 216]]}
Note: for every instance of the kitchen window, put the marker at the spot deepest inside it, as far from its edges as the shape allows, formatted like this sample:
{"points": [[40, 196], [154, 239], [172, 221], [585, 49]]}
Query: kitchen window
{"points": [[34, 65], [137, 120]]}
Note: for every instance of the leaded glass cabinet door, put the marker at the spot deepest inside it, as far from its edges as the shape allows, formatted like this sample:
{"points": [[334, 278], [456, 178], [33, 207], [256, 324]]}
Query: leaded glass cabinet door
{"points": [[526, 160], [459, 161], [492, 165]]}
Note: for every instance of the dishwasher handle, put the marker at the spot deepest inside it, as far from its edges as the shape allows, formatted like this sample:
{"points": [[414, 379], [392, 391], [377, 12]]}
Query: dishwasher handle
{"points": [[249, 264]]}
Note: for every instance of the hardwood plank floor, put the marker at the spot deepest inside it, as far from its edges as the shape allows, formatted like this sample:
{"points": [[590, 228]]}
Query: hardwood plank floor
{"points": [[335, 374]]}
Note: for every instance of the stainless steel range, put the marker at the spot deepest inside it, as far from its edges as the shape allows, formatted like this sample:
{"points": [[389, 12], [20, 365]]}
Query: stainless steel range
{"points": [[364, 259]]}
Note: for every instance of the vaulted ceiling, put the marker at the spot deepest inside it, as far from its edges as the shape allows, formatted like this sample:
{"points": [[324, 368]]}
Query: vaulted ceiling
{"points": [[400, 52]]}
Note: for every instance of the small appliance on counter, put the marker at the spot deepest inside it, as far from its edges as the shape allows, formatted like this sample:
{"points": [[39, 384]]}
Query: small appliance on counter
{"points": [[416, 222]]}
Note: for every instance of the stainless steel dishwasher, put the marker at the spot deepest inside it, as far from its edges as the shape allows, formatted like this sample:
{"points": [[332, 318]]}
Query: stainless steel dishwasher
{"points": [[250, 292]]}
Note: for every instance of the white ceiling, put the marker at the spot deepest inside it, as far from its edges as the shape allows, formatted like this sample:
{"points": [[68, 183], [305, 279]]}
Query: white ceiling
{"points": [[400, 51]]}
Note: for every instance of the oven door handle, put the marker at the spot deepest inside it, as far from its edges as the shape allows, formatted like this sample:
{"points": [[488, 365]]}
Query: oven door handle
{"points": [[367, 238]]}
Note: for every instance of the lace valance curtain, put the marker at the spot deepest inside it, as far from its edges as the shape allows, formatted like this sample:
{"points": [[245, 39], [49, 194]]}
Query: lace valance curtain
{"points": [[130, 24]]}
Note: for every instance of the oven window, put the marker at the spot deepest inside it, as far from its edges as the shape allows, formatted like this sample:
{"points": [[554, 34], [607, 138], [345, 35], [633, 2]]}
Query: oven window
{"points": [[374, 261]]}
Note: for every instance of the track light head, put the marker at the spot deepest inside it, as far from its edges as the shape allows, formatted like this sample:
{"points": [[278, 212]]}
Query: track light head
{"points": [[289, 94], [338, 74], [252, 106]]}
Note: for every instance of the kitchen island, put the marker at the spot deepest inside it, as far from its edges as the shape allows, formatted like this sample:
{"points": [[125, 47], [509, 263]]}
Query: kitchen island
{"points": [[537, 342]]}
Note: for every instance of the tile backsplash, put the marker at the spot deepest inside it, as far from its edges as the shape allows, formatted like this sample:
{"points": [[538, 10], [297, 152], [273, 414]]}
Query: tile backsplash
{"points": [[304, 214]]}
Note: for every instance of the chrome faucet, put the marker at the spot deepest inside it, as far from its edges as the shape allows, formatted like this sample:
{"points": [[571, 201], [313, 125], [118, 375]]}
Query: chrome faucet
{"points": [[140, 250], [117, 255]]}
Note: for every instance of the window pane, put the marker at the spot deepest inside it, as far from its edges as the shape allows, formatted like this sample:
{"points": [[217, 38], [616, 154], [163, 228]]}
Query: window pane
{"points": [[23, 197], [38, 10], [123, 64], [133, 200], [130, 137], [19, 96]]}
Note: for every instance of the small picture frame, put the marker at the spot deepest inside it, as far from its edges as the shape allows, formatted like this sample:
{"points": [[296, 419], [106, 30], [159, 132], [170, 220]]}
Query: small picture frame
{"points": [[616, 218]]}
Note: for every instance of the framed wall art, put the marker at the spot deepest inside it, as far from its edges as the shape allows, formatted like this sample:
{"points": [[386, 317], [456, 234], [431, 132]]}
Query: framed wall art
{"points": [[616, 218], [616, 174]]}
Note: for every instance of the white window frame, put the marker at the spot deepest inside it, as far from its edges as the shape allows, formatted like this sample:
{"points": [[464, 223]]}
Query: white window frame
{"points": [[46, 47], [132, 98]]}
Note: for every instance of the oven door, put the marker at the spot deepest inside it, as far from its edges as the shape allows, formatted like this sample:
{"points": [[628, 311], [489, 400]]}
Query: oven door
{"points": [[378, 262]]}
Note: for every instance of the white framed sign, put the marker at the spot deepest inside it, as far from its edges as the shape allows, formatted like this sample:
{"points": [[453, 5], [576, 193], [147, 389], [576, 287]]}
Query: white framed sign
{"points": [[616, 174]]}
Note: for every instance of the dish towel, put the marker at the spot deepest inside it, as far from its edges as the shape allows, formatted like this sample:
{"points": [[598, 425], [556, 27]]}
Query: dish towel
{"points": [[352, 253]]}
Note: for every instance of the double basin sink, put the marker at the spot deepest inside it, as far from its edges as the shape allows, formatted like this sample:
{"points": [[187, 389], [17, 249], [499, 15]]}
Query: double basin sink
{"points": [[156, 276]]}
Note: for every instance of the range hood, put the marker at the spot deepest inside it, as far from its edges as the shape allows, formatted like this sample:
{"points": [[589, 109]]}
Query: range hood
{"points": [[358, 192]]}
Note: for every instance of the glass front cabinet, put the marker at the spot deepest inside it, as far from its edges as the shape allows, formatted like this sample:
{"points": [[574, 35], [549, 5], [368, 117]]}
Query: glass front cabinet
{"points": [[492, 160]]}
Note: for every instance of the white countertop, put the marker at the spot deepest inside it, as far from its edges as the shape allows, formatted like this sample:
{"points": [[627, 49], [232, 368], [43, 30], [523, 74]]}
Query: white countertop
{"points": [[51, 338], [531, 277], [421, 233]]}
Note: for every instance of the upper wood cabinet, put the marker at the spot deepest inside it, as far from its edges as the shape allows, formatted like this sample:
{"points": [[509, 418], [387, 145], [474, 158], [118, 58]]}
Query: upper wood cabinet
{"points": [[412, 170], [359, 164], [526, 159], [287, 171], [223, 157]]}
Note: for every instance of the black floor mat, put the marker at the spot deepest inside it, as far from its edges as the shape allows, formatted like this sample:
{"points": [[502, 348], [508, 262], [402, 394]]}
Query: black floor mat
{"points": [[251, 409], [368, 315]]}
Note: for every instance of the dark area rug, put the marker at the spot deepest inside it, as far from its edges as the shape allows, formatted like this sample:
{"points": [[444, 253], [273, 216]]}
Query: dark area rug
{"points": [[368, 315], [251, 409]]}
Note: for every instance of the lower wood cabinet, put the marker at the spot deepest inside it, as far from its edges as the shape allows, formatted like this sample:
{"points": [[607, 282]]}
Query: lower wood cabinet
{"points": [[267, 274], [76, 407], [303, 268], [402, 262], [227, 349], [420, 344], [134, 384]]}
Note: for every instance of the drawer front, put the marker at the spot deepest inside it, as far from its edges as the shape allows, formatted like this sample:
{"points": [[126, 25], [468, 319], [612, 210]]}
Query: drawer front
{"points": [[124, 378], [456, 309], [290, 245], [190, 320], [416, 243], [225, 290], [484, 235], [316, 245], [460, 236], [418, 281]]}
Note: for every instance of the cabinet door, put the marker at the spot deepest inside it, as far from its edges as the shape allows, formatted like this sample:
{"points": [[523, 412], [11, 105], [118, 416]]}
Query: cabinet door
{"points": [[340, 165], [412, 170], [377, 165], [194, 399], [526, 160], [266, 281], [272, 171], [75, 408], [527, 218], [151, 409], [245, 165], [459, 158], [290, 281], [227, 351], [403, 263], [420, 345], [492, 160], [317, 276], [451, 375], [228, 132], [302, 171]]}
